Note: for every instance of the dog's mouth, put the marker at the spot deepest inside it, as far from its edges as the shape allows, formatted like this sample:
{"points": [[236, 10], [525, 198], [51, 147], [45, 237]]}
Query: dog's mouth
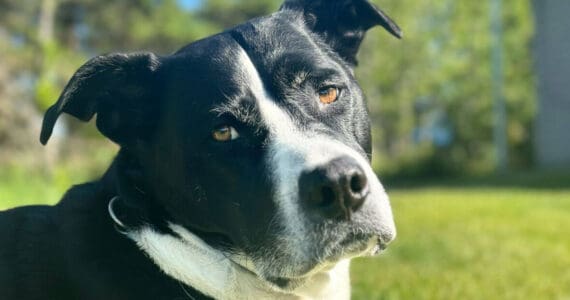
{"points": [[360, 244], [352, 245]]}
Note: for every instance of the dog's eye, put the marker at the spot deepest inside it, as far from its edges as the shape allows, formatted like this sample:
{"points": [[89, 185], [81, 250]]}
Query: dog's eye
{"points": [[329, 94], [225, 134]]}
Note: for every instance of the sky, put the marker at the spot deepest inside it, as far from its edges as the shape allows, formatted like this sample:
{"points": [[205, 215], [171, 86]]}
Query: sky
{"points": [[190, 4]]}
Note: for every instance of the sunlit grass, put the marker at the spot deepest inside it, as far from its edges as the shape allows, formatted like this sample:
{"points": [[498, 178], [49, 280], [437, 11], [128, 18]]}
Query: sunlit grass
{"points": [[36, 185], [18, 188], [473, 243]]}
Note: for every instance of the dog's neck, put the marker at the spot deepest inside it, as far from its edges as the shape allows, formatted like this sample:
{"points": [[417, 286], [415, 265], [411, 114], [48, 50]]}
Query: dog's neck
{"points": [[191, 261]]}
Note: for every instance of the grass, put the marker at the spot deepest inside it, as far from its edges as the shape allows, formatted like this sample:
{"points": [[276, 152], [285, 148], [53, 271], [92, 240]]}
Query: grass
{"points": [[469, 242], [19, 187], [19, 190], [473, 243]]}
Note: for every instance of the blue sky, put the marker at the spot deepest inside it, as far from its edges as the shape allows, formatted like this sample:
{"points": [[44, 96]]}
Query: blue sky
{"points": [[190, 4]]}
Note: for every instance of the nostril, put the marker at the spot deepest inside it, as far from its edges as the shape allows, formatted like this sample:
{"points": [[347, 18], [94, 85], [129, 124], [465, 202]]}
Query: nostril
{"points": [[358, 183], [357, 190]]}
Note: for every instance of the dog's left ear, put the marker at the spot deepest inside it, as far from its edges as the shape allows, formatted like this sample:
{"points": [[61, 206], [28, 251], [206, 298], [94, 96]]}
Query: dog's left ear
{"points": [[342, 23], [118, 88]]}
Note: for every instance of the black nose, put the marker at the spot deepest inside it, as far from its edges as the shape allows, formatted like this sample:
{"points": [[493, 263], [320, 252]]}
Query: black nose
{"points": [[336, 189]]}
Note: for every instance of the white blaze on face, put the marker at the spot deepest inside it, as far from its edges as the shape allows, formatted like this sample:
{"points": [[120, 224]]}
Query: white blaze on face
{"points": [[292, 151]]}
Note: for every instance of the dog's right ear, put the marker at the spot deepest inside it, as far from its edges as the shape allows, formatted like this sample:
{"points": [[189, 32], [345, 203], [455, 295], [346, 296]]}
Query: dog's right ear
{"points": [[116, 87], [342, 23]]}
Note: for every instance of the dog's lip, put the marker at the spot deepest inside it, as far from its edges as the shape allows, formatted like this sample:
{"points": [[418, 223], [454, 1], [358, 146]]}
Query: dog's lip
{"points": [[359, 245], [378, 247]]}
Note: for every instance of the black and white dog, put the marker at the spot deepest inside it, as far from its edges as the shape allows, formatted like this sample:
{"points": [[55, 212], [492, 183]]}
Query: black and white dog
{"points": [[244, 170]]}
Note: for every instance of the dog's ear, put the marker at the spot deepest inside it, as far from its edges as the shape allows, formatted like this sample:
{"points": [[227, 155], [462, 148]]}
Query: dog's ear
{"points": [[342, 23], [116, 87]]}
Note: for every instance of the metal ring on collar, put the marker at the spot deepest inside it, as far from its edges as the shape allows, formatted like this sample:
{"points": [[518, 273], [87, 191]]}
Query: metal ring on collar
{"points": [[112, 213]]}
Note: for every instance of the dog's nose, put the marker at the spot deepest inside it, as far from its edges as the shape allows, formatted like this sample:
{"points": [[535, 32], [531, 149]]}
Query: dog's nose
{"points": [[336, 189]]}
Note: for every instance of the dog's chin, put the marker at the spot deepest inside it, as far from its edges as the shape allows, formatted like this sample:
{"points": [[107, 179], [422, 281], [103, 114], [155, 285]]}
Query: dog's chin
{"points": [[298, 273]]}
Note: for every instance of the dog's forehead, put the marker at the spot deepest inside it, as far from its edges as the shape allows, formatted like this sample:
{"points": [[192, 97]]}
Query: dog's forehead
{"points": [[275, 45], [206, 75], [281, 44], [262, 59]]}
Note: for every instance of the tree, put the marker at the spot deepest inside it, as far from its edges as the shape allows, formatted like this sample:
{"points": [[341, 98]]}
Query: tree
{"points": [[443, 64]]}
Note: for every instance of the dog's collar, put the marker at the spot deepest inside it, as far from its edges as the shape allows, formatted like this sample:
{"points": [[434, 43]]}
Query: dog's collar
{"points": [[120, 225]]}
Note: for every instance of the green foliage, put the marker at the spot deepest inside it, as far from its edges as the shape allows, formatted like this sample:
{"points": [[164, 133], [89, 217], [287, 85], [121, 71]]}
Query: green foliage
{"points": [[228, 13], [160, 26], [472, 243], [58, 63], [24, 186], [19, 188], [443, 64]]}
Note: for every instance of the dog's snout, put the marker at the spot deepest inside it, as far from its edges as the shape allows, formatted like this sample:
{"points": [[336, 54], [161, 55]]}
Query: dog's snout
{"points": [[335, 189]]}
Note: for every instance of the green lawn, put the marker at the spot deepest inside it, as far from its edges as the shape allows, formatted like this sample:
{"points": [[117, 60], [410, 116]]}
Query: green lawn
{"points": [[453, 243], [19, 187], [473, 243]]}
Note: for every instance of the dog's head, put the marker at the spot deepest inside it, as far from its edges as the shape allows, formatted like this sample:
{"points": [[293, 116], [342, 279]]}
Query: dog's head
{"points": [[257, 139]]}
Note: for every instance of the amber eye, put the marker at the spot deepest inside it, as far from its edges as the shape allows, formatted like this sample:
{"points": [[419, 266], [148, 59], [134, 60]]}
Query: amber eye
{"points": [[225, 134], [328, 95]]}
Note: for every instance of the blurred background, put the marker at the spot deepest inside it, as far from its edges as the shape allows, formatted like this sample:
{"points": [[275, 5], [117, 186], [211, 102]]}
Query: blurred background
{"points": [[471, 125]]}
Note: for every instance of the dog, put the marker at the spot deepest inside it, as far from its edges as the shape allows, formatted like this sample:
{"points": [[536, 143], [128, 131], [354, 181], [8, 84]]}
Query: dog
{"points": [[243, 170]]}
